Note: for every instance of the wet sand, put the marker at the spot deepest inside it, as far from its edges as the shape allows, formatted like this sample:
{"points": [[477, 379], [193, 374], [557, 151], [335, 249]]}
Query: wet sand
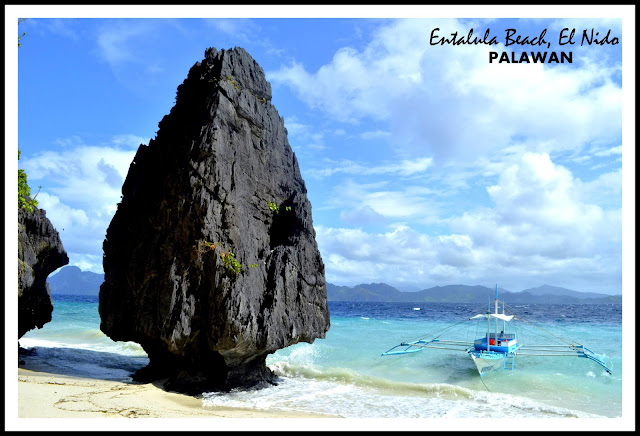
{"points": [[48, 395]]}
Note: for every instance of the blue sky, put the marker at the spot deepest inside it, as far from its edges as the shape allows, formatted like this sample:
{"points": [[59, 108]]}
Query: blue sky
{"points": [[425, 165]]}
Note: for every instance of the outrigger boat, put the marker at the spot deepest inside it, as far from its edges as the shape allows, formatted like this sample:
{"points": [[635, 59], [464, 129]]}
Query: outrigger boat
{"points": [[497, 350]]}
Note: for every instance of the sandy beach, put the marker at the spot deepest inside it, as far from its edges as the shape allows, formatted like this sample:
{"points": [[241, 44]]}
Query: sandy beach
{"points": [[47, 395]]}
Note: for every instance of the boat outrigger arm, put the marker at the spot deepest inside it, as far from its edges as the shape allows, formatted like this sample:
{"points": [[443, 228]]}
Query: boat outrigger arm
{"points": [[497, 349], [563, 350]]}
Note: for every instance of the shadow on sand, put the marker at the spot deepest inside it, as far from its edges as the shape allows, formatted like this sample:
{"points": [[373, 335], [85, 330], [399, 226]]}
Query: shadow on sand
{"points": [[78, 362]]}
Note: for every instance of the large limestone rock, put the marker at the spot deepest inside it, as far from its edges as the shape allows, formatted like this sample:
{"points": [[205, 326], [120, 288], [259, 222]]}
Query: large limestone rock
{"points": [[40, 252], [211, 261]]}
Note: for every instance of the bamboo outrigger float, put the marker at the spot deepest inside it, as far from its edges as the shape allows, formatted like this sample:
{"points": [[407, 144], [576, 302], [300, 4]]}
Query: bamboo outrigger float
{"points": [[497, 349]]}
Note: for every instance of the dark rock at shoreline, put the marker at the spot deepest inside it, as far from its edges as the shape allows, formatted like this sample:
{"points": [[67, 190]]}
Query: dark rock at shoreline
{"points": [[40, 252], [211, 261]]}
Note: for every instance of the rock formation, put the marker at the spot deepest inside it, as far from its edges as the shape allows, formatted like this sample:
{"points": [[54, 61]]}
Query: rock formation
{"points": [[40, 252], [211, 261]]}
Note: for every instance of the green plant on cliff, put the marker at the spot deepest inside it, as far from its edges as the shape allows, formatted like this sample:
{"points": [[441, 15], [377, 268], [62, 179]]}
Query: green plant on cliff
{"points": [[233, 82], [204, 246], [277, 209], [229, 260], [231, 263], [24, 191]]}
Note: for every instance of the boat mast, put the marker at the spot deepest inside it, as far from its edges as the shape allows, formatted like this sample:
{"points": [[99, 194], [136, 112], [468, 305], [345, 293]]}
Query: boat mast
{"points": [[504, 323], [488, 322], [496, 310]]}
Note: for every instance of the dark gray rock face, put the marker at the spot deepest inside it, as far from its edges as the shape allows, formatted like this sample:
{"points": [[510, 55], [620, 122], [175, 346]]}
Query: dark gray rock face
{"points": [[40, 252], [211, 261]]}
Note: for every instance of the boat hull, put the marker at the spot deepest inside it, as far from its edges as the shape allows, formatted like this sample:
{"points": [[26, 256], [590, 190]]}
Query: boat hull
{"points": [[487, 361]]}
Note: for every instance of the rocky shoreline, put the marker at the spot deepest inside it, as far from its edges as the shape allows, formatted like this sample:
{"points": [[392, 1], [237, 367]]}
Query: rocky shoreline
{"points": [[40, 252]]}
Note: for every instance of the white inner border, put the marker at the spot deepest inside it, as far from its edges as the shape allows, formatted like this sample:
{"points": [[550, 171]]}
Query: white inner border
{"points": [[625, 12]]}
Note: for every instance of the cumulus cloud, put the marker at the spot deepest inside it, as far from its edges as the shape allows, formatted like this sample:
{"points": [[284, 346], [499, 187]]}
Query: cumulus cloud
{"points": [[81, 187], [543, 227], [451, 102], [487, 199], [401, 256], [391, 202], [605, 190], [542, 210]]}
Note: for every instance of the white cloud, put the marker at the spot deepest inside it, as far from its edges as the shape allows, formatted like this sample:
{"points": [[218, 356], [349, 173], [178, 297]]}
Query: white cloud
{"points": [[609, 151], [451, 103], [364, 215], [62, 27], [132, 42], [401, 256], [129, 140], [302, 136], [71, 141], [81, 187], [114, 43], [375, 134], [86, 262], [540, 210], [467, 124], [85, 176], [597, 23], [544, 227], [605, 190], [242, 29], [385, 202], [400, 168], [80, 231], [56, 26], [347, 88], [294, 128], [62, 215]]}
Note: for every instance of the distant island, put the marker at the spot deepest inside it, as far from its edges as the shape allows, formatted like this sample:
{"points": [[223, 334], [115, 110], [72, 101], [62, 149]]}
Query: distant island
{"points": [[381, 292], [71, 280]]}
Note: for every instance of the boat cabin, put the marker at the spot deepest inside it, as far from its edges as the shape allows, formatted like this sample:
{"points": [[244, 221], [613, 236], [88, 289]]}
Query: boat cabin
{"points": [[500, 343]]}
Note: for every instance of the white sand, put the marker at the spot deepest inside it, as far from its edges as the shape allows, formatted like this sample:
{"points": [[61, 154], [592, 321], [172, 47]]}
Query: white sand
{"points": [[46, 395]]}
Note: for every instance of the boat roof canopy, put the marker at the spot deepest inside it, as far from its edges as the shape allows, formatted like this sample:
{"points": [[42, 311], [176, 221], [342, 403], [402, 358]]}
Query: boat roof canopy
{"points": [[494, 315]]}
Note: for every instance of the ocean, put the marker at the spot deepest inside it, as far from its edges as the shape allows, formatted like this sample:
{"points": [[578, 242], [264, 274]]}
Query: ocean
{"points": [[345, 374]]}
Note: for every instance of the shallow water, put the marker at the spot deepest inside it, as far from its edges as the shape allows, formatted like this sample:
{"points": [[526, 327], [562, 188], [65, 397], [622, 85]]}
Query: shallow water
{"points": [[344, 373]]}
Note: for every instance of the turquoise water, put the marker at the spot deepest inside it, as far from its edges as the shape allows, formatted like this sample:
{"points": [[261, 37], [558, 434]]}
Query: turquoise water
{"points": [[72, 343], [345, 375]]}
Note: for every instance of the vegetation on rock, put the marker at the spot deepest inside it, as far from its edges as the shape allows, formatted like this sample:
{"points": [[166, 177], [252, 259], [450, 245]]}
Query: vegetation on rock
{"points": [[24, 191]]}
